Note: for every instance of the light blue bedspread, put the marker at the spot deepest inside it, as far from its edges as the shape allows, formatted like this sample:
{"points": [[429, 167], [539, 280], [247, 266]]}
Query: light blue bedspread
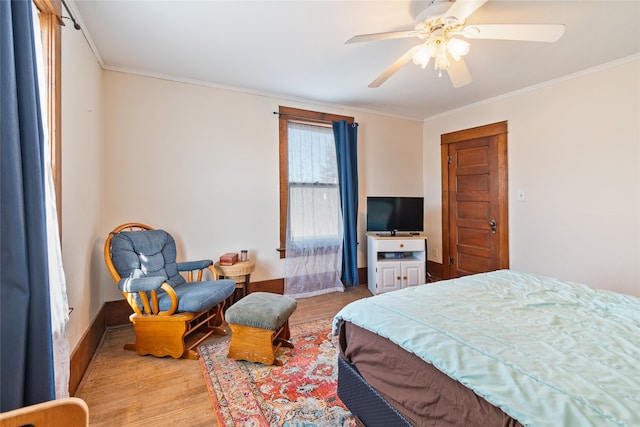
{"points": [[547, 352]]}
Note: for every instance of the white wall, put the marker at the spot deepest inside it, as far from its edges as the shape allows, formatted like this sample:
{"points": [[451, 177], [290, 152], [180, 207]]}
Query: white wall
{"points": [[82, 201], [574, 149], [202, 163]]}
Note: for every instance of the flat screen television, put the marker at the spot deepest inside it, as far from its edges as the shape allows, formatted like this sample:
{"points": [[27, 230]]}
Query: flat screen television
{"points": [[395, 214]]}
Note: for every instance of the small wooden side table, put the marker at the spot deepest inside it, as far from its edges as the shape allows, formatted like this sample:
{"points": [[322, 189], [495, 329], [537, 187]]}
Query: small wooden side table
{"points": [[240, 272]]}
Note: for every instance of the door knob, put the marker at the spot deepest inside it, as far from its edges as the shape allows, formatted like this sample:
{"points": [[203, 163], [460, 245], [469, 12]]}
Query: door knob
{"points": [[492, 224]]}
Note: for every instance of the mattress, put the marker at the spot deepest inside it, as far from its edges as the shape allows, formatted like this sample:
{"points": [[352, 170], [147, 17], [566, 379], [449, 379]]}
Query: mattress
{"points": [[542, 351]]}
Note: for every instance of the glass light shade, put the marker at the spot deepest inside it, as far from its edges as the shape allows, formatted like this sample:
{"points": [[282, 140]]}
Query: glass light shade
{"points": [[457, 48], [422, 56], [442, 62]]}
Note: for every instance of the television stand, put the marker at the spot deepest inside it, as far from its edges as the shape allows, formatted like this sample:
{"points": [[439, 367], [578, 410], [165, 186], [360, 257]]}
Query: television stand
{"points": [[395, 261]]}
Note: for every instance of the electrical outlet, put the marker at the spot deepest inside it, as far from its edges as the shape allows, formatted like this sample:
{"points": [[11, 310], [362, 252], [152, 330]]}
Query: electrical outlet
{"points": [[436, 252]]}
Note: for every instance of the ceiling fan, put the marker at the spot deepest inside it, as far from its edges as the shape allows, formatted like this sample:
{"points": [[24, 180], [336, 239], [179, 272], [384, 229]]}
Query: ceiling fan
{"points": [[439, 31]]}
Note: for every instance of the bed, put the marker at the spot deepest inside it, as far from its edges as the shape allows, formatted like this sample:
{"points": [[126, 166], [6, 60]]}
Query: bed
{"points": [[494, 349]]}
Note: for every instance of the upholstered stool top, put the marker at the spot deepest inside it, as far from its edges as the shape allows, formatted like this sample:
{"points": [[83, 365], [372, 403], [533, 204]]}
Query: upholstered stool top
{"points": [[262, 310]]}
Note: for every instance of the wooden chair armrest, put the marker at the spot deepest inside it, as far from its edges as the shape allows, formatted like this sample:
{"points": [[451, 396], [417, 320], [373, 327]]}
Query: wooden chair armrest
{"points": [[71, 411], [174, 300], [214, 273], [200, 266]]}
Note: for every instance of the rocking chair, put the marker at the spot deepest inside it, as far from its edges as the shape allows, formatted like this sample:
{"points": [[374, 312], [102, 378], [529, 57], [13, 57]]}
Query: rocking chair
{"points": [[171, 315]]}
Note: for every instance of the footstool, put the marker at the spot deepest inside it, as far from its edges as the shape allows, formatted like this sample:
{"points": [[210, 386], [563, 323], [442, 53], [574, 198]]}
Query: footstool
{"points": [[259, 326]]}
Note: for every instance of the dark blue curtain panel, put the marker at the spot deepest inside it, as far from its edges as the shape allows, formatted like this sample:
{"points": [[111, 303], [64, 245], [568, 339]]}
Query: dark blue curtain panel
{"points": [[26, 350]]}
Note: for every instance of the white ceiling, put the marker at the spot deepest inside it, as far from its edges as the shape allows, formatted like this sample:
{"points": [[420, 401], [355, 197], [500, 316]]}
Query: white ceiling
{"points": [[295, 49]]}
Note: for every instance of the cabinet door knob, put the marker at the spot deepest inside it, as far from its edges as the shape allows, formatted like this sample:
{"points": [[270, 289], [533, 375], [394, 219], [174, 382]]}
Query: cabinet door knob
{"points": [[402, 245]]}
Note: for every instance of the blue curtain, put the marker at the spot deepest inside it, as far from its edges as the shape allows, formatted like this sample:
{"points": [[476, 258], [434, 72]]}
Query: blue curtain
{"points": [[346, 136], [26, 351]]}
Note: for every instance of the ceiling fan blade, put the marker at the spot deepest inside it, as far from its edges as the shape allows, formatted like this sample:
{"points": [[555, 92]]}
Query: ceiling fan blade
{"points": [[459, 73], [525, 32], [382, 36], [462, 9], [400, 62]]}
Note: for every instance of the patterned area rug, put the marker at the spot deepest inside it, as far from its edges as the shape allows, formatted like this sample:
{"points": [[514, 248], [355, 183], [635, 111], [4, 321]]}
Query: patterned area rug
{"points": [[302, 392]]}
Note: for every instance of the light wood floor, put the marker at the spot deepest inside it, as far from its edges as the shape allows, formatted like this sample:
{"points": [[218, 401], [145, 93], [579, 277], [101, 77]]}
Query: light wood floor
{"points": [[124, 389]]}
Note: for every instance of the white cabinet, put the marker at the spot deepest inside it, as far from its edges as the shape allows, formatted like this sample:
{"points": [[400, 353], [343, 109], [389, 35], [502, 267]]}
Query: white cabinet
{"points": [[395, 262]]}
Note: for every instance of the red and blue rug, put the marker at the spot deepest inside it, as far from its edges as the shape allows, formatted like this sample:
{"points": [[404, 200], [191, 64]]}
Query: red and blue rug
{"points": [[301, 392]]}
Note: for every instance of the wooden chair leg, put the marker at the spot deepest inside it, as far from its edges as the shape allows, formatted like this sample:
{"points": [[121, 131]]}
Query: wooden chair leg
{"points": [[217, 323], [282, 338]]}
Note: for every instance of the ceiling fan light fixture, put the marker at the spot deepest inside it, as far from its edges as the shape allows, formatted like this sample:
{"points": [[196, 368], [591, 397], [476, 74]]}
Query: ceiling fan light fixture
{"points": [[441, 48]]}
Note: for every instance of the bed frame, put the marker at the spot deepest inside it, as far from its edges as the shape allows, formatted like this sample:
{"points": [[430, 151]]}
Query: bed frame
{"points": [[365, 402]]}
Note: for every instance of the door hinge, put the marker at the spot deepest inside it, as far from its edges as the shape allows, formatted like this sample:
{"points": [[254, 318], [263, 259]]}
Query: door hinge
{"points": [[450, 159], [451, 261]]}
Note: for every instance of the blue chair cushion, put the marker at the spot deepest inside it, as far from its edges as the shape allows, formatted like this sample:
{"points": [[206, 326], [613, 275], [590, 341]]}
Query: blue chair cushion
{"points": [[198, 296], [262, 310], [146, 253]]}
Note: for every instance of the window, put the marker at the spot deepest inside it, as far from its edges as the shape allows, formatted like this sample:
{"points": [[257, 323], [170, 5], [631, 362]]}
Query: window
{"points": [[313, 182], [308, 177], [50, 15]]}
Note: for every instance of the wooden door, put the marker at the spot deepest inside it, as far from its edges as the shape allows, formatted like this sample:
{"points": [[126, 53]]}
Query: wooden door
{"points": [[475, 225]]}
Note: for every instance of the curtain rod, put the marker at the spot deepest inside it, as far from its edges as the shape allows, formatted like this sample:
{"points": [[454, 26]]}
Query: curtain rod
{"points": [[293, 116], [75, 23]]}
